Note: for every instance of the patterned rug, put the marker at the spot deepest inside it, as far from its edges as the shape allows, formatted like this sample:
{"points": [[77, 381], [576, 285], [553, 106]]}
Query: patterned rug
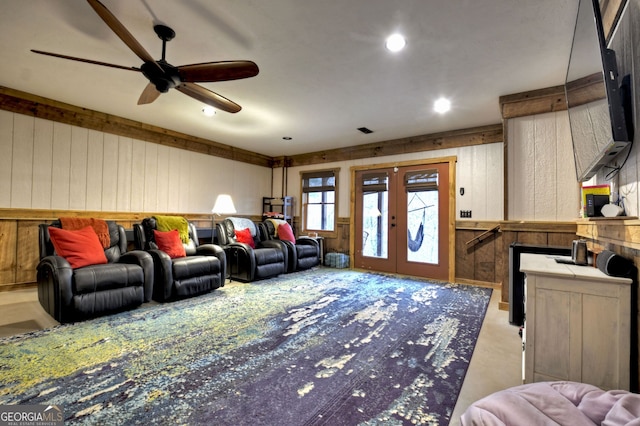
{"points": [[325, 346]]}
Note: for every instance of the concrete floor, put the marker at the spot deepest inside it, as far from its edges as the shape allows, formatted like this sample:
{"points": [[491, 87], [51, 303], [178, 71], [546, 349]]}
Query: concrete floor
{"points": [[496, 363]]}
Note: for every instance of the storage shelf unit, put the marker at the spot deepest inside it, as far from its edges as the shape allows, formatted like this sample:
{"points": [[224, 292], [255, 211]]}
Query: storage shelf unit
{"points": [[278, 208]]}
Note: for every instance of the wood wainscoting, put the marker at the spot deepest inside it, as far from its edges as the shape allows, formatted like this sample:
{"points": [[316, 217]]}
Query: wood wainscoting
{"points": [[19, 251], [621, 236], [482, 249]]}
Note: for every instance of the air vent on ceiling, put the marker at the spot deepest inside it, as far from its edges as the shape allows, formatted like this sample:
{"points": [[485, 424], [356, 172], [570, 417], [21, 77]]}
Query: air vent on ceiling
{"points": [[365, 130]]}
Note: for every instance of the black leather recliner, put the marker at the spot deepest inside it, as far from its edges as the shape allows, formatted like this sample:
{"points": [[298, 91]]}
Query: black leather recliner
{"points": [[267, 259], [202, 270], [303, 254], [68, 294]]}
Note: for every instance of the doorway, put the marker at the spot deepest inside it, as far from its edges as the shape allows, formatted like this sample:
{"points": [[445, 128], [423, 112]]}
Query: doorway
{"points": [[404, 219]]}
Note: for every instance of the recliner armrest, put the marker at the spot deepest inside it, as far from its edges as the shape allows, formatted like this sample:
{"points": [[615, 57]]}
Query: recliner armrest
{"points": [[56, 272], [162, 273], [277, 244], [140, 241], [217, 251], [307, 241], [144, 260]]}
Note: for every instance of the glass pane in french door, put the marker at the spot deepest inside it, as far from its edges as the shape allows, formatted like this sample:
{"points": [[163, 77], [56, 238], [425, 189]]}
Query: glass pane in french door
{"points": [[422, 226], [375, 238]]}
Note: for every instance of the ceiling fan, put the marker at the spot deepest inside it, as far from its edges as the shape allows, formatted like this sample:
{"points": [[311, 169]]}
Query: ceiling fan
{"points": [[164, 76]]}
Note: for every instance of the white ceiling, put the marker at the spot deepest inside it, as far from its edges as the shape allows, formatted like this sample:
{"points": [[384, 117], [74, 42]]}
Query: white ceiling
{"points": [[324, 70]]}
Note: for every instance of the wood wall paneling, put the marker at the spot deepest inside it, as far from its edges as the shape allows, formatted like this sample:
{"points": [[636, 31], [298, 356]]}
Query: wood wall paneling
{"points": [[485, 259], [6, 156], [61, 173], [423, 143], [125, 173], [521, 169], [37, 106], [19, 250], [95, 149], [22, 165], [545, 167], [42, 165], [138, 151], [8, 255], [110, 172], [78, 171], [542, 182], [26, 246], [52, 165], [494, 182], [150, 194], [480, 194], [533, 102], [465, 255]]}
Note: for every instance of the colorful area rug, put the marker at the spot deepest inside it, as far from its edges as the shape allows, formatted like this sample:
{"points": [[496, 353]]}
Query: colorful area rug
{"points": [[325, 346]]}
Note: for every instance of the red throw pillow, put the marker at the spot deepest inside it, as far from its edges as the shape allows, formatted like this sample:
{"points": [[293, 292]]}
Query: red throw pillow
{"points": [[80, 248], [285, 233], [170, 243], [244, 236]]}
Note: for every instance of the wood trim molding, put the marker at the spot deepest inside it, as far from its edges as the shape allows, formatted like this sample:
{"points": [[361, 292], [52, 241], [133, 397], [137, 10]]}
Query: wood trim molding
{"points": [[553, 99], [620, 232], [48, 109], [533, 102], [431, 142], [548, 227], [44, 214]]}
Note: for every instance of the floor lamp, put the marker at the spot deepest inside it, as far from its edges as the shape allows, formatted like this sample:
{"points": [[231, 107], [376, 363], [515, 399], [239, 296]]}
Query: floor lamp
{"points": [[223, 205]]}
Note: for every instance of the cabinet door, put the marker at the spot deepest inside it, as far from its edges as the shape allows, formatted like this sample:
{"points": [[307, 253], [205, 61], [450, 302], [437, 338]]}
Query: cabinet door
{"points": [[578, 331], [552, 351], [605, 354]]}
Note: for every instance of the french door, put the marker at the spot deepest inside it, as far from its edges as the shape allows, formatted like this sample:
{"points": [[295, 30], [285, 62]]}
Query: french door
{"points": [[402, 220]]}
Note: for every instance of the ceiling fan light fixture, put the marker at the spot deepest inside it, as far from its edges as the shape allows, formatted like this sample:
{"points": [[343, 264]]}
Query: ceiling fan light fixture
{"points": [[209, 111], [395, 42]]}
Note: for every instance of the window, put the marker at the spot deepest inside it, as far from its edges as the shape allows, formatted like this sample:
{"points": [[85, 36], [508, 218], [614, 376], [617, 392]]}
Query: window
{"points": [[319, 200]]}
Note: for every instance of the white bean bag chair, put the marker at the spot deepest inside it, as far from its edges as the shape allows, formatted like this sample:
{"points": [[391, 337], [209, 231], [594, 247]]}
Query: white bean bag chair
{"points": [[555, 403]]}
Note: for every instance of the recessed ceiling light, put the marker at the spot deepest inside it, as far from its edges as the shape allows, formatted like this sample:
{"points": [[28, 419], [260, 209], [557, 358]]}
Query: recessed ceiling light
{"points": [[395, 42], [209, 111], [442, 105]]}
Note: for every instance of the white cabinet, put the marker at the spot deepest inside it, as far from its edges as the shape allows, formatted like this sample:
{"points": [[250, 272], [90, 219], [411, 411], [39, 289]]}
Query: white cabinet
{"points": [[577, 324]]}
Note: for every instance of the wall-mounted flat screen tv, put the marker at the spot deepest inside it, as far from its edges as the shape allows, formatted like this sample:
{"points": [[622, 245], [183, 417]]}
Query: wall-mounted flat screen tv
{"points": [[596, 113]]}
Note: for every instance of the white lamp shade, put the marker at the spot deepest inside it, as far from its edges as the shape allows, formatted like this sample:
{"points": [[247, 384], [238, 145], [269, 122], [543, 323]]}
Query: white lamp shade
{"points": [[223, 205]]}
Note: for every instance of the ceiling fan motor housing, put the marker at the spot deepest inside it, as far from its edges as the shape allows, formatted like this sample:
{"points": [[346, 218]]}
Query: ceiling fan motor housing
{"points": [[164, 78]]}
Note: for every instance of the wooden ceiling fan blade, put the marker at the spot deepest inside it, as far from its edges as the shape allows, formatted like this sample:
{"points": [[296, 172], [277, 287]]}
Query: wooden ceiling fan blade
{"points": [[208, 97], [217, 71], [120, 30], [88, 61], [149, 94]]}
